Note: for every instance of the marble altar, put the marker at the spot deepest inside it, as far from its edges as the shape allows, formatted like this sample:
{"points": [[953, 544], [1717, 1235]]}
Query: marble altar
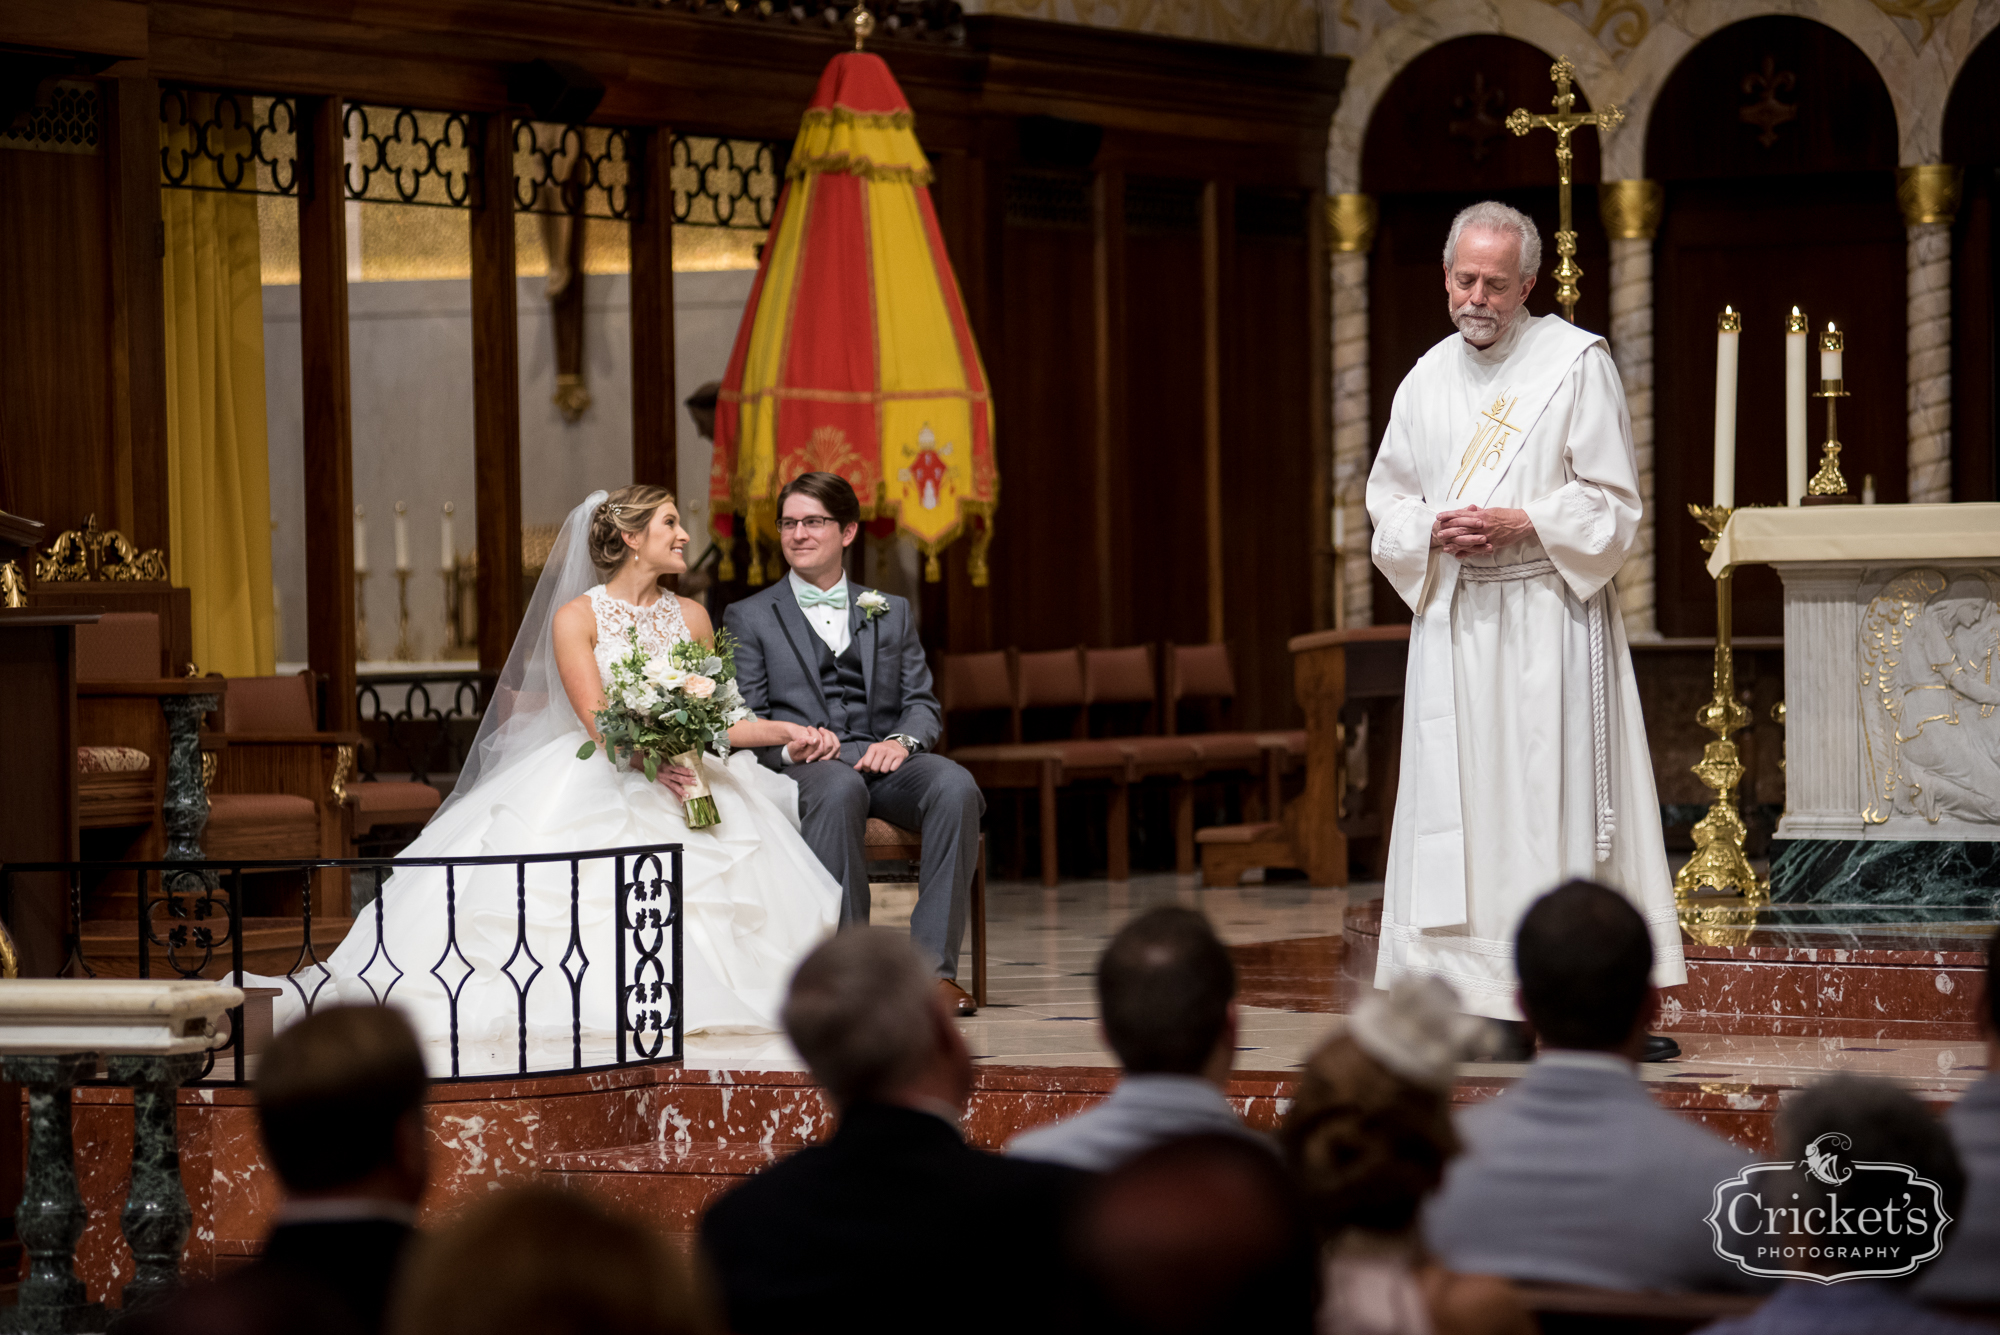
{"points": [[1892, 698]]}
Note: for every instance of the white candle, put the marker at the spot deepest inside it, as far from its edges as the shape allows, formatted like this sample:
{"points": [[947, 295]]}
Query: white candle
{"points": [[1830, 345], [1795, 407], [1868, 489], [449, 560], [1728, 330], [360, 541], [402, 536]]}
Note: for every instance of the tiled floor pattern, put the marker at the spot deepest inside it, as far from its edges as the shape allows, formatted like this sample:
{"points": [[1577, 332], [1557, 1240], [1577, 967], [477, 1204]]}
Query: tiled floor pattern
{"points": [[1042, 1010]]}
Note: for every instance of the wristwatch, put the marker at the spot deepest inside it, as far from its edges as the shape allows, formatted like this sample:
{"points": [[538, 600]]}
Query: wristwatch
{"points": [[909, 743]]}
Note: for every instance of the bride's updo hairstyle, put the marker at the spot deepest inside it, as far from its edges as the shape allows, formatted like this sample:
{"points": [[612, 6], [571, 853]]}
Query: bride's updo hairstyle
{"points": [[626, 510]]}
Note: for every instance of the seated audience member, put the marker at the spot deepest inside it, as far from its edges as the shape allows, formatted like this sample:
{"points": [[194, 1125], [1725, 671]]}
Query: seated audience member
{"points": [[1968, 1273], [1367, 1138], [532, 1260], [1883, 1124], [339, 1101], [1201, 1234], [894, 1223], [1575, 1175], [1166, 988]]}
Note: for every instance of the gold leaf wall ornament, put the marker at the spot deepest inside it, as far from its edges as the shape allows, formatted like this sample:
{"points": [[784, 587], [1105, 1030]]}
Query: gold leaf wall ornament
{"points": [[1628, 21], [1924, 13], [91, 553], [13, 585]]}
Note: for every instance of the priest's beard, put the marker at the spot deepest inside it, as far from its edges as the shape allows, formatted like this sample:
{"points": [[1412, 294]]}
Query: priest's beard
{"points": [[1480, 325]]}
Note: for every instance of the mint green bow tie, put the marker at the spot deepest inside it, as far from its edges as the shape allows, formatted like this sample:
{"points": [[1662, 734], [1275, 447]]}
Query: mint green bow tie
{"points": [[834, 597]]}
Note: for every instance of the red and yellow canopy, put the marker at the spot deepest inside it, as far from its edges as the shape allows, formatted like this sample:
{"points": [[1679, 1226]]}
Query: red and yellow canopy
{"points": [[854, 355]]}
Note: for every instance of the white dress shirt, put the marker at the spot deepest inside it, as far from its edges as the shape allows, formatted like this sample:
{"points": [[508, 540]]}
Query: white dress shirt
{"points": [[830, 622]]}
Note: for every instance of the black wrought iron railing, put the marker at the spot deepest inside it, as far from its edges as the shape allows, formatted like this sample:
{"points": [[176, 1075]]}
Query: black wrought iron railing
{"points": [[421, 723], [572, 1008]]}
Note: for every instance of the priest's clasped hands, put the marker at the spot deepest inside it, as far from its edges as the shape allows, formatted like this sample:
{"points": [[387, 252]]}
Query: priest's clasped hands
{"points": [[1473, 531]]}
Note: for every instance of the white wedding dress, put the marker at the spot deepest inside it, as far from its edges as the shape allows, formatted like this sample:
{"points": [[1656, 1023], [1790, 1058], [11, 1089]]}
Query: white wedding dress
{"points": [[756, 900]]}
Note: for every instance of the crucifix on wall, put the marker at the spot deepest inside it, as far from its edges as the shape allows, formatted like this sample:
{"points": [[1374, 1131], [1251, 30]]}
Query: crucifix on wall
{"points": [[1565, 121]]}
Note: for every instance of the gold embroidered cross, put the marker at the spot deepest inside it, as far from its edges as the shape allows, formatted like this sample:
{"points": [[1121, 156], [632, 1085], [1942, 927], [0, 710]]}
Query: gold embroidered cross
{"points": [[1489, 441]]}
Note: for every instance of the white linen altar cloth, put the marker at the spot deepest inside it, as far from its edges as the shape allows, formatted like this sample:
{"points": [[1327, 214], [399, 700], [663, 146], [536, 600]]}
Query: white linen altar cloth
{"points": [[1499, 765], [1967, 530]]}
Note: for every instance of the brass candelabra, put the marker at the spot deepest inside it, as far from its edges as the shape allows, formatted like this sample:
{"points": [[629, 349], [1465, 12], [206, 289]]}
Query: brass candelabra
{"points": [[1719, 865], [1829, 486]]}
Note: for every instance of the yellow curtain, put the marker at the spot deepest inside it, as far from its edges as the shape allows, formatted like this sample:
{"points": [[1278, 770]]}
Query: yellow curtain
{"points": [[218, 461]]}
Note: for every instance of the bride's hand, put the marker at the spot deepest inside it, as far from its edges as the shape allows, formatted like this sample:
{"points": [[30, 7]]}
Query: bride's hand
{"points": [[809, 744], [677, 779]]}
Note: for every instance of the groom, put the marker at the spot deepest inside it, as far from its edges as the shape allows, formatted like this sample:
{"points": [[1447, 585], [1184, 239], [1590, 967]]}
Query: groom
{"points": [[844, 661]]}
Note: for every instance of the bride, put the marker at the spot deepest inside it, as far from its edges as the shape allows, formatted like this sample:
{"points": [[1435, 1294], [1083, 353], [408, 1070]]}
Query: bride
{"points": [[755, 899]]}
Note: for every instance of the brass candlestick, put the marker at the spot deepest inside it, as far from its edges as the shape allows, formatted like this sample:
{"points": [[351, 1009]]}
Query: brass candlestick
{"points": [[1828, 485], [361, 616], [403, 653], [1719, 864]]}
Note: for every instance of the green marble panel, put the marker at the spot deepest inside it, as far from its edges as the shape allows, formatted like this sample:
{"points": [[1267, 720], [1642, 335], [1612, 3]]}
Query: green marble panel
{"points": [[1886, 872]]}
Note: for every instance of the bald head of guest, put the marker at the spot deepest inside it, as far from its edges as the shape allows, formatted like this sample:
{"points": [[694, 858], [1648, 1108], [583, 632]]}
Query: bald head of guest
{"points": [[1585, 959], [340, 1101], [865, 1016], [1166, 988]]}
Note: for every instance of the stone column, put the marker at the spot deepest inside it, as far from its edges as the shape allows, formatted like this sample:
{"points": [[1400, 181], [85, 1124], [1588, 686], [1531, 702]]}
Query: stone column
{"points": [[1929, 195], [156, 1218], [51, 1215], [1631, 212], [1350, 234]]}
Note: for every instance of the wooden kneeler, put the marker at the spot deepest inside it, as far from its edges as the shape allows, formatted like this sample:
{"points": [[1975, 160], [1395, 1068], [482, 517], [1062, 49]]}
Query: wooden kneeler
{"points": [[893, 843]]}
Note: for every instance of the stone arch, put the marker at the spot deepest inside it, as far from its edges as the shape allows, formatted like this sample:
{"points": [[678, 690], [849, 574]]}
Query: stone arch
{"points": [[1919, 72]]}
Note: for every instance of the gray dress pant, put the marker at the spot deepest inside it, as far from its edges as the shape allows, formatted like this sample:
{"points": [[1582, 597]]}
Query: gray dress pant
{"points": [[929, 794]]}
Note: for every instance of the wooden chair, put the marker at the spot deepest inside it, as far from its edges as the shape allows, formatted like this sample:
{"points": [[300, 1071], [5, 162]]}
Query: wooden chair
{"points": [[122, 738], [1126, 676], [893, 843], [1202, 673]]}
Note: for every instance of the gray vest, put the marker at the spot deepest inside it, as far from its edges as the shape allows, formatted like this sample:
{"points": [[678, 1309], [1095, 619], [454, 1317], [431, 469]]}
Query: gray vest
{"points": [[846, 690]]}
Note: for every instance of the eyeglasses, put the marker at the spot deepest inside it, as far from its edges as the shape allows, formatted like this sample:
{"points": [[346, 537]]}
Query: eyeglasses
{"points": [[811, 524]]}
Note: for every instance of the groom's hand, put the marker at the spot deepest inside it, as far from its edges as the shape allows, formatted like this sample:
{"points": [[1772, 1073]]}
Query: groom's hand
{"points": [[882, 758]]}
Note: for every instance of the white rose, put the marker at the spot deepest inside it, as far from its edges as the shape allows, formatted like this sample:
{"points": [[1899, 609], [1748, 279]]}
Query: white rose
{"points": [[872, 601], [699, 687], [664, 674]]}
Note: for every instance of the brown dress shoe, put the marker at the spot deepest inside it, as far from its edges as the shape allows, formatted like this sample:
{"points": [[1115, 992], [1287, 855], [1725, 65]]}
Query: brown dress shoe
{"points": [[957, 1001]]}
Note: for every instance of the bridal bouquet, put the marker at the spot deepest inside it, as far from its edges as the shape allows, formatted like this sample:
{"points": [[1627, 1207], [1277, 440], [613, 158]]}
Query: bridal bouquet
{"points": [[668, 709]]}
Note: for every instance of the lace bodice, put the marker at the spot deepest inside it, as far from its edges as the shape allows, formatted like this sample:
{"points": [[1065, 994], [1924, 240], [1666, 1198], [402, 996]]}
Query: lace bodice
{"points": [[660, 626]]}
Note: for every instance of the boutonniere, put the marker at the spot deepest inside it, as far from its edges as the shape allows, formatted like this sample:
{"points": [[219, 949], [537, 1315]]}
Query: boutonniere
{"points": [[872, 604]]}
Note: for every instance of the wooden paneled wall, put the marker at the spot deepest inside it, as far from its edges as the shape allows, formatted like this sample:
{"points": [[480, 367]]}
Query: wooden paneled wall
{"points": [[1151, 310]]}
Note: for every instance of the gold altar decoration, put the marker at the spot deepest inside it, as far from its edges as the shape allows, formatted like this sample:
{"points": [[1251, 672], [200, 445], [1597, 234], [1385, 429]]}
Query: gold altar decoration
{"points": [[1350, 223], [1565, 121], [13, 585], [1929, 193], [1719, 865], [92, 553], [1631, 210], [1829, 483]]}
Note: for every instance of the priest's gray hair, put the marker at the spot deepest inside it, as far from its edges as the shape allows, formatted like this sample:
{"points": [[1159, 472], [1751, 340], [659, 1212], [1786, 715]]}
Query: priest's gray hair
{"points": [[1491, 215], [863, 1014]]}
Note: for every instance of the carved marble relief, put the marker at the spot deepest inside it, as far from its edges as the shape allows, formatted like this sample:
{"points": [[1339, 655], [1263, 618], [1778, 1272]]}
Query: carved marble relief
{"points": [[1930, 700]]}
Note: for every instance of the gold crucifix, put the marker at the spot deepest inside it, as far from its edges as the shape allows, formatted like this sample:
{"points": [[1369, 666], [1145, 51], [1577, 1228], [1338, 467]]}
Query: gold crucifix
{"points": [[1564, 122]]}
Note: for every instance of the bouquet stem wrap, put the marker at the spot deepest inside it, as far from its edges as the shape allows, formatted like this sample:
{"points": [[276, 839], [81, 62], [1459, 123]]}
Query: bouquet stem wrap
{"points": [[700, 801]]}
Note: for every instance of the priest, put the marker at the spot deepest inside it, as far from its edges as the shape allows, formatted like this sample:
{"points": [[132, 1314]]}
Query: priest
{"points": [[1504, 498]]}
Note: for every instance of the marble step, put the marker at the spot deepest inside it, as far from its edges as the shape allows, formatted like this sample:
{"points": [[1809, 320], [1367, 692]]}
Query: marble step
{"points": [[668, 1185]]}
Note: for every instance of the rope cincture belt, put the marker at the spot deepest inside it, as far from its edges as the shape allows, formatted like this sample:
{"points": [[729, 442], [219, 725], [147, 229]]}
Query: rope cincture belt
{"points": [[1600, 703]]}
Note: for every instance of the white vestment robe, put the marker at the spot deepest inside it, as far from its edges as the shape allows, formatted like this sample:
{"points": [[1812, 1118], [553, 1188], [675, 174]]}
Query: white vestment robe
{"points": [[1524, 759]]}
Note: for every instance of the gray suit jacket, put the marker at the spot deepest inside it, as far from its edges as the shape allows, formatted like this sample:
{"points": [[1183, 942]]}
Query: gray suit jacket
{"points": [[1969, 1270], [777, 668], [1143, 1111], [1576, 1176]]}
